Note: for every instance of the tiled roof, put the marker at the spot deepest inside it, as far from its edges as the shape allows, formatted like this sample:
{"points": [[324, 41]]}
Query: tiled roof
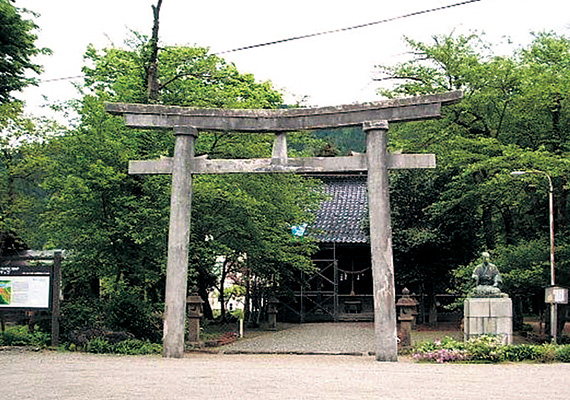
{"points": [[339, 219]]}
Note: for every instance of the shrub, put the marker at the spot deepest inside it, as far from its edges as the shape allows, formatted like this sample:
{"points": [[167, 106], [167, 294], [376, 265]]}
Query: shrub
{"points": [[447, 342], [546, 353], [127, 347], [488, 348], [484, 348], [526, 329], [563, 353], [19, 336], [98, 345], [519, 352], [442, 356], [126, 310], [82, 337], [123, 311], [80, 315], [137, 347]]}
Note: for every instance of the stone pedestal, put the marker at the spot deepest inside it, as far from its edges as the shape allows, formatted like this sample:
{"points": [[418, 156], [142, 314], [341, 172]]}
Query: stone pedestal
{"points": [[405, 331], [272, 314], [488, 316], [194, 304]]}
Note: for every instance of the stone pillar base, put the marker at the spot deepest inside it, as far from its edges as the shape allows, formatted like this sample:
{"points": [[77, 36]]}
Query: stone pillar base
{"points": [[488, 316], [193, 330]]}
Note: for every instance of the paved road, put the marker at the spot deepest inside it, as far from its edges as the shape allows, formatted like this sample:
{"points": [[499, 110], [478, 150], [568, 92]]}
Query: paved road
{"points": [[63, 376]]}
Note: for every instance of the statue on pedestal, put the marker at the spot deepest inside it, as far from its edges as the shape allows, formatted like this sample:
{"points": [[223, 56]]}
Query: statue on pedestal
{"points": [[487, 279]]}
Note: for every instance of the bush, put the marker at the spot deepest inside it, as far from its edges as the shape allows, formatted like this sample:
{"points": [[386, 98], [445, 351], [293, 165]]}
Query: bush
{"points": [[546, 353], [484, 348], [80, 315], [126, 310], [137, 347], [98, 345], [488, 348], [519, 352], [442, 356], [127, 347], [123, 311], [563, 354], [447, 343], [19, 336]]}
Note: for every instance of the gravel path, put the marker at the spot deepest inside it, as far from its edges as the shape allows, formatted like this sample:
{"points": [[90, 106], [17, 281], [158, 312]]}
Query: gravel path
{"points": [[321, 338], [67, 376]]}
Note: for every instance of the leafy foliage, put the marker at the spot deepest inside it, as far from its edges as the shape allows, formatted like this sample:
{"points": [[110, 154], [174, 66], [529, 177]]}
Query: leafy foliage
{"points": [[19, 336], [513, 117], [125, 347], [116, 224], [23, 166], [17, 49]]}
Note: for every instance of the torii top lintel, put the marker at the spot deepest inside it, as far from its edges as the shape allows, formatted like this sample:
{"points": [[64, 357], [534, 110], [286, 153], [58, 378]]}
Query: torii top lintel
{"points": [[283, 120]]}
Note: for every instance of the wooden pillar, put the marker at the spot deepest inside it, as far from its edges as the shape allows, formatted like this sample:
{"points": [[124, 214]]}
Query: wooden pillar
{"points": [[381, 241], [178, 237], [55, 292]]}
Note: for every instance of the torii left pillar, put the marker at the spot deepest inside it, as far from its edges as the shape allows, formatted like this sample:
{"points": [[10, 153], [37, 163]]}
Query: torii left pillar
{"points": [[178, 238]]}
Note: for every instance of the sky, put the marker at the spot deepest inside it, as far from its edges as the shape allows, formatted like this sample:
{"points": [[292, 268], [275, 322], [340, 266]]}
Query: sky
{"points": [[332, 69]]}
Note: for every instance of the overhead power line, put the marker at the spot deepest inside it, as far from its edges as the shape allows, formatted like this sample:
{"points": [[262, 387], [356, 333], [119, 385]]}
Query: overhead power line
{"points": [[69, 78], [310, 35]]}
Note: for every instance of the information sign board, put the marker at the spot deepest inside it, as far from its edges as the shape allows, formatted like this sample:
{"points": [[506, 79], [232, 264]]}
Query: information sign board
{"points": [[556, 295], [25, 286]]}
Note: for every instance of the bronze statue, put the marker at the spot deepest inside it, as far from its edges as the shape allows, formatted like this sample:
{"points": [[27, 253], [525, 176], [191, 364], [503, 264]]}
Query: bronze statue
{"points": [[487, 279]]}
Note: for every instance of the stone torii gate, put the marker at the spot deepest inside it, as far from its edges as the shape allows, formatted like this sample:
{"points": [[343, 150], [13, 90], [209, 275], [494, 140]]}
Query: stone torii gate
{"points": [[373, 117]]}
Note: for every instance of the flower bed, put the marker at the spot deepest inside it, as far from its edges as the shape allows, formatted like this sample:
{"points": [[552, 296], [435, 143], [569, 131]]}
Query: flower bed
{"points": [[487, 348]]}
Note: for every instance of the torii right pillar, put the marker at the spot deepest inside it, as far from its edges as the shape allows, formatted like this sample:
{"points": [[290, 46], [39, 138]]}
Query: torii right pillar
{"points": [[381, 241]]}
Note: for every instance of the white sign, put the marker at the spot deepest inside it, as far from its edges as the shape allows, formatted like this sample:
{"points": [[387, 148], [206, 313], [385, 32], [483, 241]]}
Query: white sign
{"points": [[556, 295], [24, 291]]}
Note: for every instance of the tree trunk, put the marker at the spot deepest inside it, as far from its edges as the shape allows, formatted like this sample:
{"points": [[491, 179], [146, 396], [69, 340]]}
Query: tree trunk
{"points": [[556, 128], [488, 228], [152, 69], [517, 312], [206, 308], [508, 224], [246, 306], [222, 297], [561, 210]]}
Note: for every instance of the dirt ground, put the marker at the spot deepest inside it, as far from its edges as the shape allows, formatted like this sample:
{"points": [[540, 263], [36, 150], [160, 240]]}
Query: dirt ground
{"points": [[66, 376]]}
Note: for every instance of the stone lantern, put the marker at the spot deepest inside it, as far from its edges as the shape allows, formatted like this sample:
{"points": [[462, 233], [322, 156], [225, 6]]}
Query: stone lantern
{"points": [[407, 311], [272, 314], [194, 307]]}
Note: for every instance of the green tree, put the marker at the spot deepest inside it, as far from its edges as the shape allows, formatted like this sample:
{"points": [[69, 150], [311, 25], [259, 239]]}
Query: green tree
{"points": [[512, 118], [117, 224], [17, 49], [23, 164], [20, 147]]}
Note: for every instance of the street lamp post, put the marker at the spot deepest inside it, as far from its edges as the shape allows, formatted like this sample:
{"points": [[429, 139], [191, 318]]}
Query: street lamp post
{"points": [[553, 306]]}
